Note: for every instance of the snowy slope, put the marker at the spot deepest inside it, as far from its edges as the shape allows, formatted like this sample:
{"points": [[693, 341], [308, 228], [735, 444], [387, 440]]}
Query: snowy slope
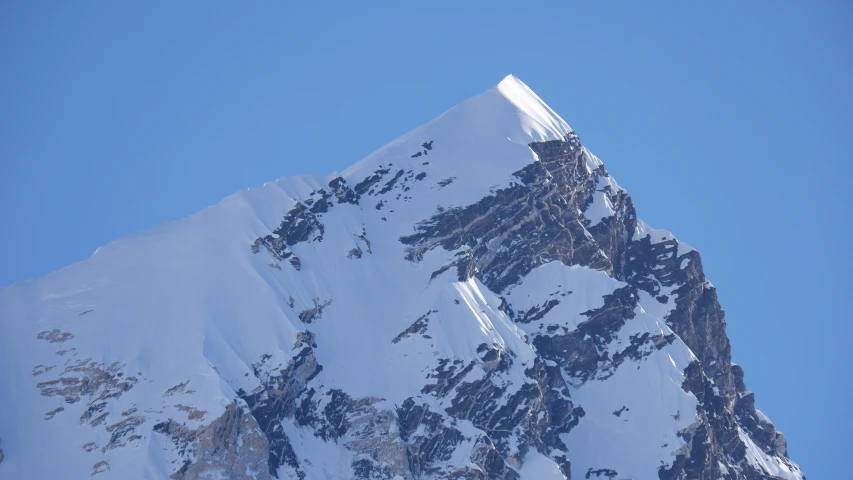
{"points": [[474, 300]]}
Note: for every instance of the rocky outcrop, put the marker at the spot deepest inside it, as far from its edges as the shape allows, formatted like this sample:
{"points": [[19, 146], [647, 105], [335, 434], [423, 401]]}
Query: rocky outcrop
{"points": [[314, 313], [419, 327], [276, 401], [87, 378], [540, 219], [232, 446], [516, 229], [101, 467], [99, 386], [303, 222], [55, 336]]}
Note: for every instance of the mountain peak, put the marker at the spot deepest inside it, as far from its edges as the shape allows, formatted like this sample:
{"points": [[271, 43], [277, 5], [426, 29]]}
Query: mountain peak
{"points": [[488, 134], [477, 299], [538, 119]]}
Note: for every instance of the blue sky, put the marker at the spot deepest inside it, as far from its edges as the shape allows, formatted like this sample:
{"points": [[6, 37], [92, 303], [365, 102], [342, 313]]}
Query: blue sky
{"points": [[728, 122]]}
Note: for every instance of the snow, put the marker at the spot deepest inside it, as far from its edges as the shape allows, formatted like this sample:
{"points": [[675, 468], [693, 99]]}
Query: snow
{"points": [[601, 206], [770, 464], [554, 281], [592, 162], [327, 459], [645, 436], [658, 236], [536, 118], [537, 466], [191, 293], [496, 125], [649, 304]]}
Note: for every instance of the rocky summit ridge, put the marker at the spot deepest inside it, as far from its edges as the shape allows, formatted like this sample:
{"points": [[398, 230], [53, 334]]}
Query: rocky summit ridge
{"points": [[477, 299]]}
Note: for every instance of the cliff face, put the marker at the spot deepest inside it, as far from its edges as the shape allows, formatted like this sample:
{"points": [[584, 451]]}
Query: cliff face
{"points": [[541, 221], [478, 299]]}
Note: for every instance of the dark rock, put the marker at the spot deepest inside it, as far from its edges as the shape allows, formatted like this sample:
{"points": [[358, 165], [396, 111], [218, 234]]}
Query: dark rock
{"points": [[363, 237], [316, 312], [419, 327], [537, 312], [390, 184], [343, 193], [447, 181], [231, 445], [518, 228], [320, 206], [363, 186], [601, 472]]}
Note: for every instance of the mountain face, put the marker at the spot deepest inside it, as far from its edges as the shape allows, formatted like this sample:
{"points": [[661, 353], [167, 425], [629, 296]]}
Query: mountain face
{"points": [[477, 299]]}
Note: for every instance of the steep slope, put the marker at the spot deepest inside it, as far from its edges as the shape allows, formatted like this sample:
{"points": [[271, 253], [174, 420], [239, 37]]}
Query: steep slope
{"points": [[474, 300]]}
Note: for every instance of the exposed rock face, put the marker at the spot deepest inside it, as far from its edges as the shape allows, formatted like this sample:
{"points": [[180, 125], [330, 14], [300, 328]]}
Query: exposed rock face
{"points": [[86, 378], [541, 220], [232, 446], [277, 401], [519, 228]]}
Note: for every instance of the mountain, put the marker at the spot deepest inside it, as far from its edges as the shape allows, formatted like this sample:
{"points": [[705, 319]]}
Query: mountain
{"points": [[476, 299]]}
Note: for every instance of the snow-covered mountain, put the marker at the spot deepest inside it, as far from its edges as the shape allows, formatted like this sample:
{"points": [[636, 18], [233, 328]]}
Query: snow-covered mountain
{"points": [[476, 299]]}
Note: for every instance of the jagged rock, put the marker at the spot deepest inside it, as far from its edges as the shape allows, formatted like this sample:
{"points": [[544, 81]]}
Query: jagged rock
{"points": [[365, 185], [100, 467], [55, 336], [233, 445], [49, 415], [121, 432], [343, 193], [179, 389], [277, 401], [91, 379], [419, 327], [309, 315]]}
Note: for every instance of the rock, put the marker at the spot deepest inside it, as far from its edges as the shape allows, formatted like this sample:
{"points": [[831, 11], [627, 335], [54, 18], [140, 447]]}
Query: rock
{"points": [[233, 445], [309, 315]]}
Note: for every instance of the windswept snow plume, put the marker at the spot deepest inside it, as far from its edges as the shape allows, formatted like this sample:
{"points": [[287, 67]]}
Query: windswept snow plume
{"points": [[477, 299]]}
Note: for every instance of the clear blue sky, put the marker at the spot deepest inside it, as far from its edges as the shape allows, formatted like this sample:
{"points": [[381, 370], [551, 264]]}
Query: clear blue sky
{"points": [[728, 122]]}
